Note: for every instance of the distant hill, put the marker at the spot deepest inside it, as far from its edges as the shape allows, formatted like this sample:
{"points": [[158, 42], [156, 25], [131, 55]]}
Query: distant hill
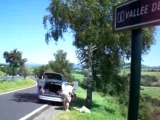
{"points": [[3, 64], [33, 65], [27, 64], [127, 66]]}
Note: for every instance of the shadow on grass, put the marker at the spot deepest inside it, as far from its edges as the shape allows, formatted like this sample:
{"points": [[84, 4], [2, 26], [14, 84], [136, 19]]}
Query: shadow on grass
{"points": [[110, 110], [81, 102]]}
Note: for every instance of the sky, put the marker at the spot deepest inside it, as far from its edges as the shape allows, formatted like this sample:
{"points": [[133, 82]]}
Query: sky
{"points": [[21, 28]]}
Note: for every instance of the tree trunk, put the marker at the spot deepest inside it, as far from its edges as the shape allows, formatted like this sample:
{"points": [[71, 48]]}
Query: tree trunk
{"points": [[88, 101]]}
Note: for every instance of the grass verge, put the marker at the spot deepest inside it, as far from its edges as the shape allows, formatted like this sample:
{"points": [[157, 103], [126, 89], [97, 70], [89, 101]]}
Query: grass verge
{"points": [[6, 86], [78, 76], [105, 108], [151, 91]]}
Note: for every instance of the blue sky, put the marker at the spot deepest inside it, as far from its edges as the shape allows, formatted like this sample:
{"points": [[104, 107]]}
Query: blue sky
{"points": [[21, 27]]}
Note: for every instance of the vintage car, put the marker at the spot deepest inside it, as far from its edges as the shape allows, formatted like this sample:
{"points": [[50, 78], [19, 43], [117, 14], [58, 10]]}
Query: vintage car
{"points": [[50, 86]]}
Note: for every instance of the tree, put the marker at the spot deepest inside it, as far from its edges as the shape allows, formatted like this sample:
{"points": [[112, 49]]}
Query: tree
{"points": [[61, 65], [91, 23], [23, 71], [15, 60], [39, 71]]}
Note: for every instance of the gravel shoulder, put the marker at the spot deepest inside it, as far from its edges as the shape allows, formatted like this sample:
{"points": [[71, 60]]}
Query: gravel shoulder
{"points": [[50, 113]]}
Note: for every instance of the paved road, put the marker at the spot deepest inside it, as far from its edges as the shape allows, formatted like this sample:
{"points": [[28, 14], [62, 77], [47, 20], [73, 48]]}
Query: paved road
{"points": [[14, 106]]}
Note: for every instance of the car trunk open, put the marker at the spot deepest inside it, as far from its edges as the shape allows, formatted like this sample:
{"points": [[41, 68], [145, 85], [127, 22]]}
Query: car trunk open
{"points": [[52, 88]]}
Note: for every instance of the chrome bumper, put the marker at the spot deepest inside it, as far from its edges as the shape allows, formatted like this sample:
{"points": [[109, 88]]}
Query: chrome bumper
{"points": [[48, 98]]}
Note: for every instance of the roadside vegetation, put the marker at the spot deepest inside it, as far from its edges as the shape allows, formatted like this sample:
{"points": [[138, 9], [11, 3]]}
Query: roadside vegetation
{"points": [[6, 86], [149, 107], [78, 76], [104, 107], [2, 73]]}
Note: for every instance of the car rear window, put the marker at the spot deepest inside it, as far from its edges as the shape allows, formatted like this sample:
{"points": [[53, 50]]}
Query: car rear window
{"points": [[53, 76]]}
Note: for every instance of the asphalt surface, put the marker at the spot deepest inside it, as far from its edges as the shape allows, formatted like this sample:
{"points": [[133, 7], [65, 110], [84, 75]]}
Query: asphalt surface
{"points": [[16, 105], [50, 113]]}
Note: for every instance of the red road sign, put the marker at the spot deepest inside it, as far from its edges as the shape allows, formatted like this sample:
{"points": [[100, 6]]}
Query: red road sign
{"points": [[136, 13]]}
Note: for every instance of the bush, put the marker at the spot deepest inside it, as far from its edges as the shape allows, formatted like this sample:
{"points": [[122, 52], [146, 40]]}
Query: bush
{"points": [[145, 109], [149, 108], [147, 80]]}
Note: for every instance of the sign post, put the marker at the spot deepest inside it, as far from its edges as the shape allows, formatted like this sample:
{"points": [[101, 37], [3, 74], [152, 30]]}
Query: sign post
{"points": [[133, 15], [136, 40], [135, 76]]}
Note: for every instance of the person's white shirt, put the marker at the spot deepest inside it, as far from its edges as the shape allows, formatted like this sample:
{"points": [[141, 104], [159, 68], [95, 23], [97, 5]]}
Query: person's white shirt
{"points": [[67, 89]]}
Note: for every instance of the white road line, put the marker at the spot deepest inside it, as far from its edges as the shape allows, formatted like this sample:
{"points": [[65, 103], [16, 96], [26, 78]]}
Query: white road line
{"points": [[33, 112], [17, 90]]}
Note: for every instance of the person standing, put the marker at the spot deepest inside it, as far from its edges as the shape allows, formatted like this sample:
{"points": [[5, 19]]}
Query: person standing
{"points": [[67, 91]]}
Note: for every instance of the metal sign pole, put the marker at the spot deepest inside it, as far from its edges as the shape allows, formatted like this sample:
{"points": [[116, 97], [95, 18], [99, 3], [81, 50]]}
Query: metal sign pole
{"points": [[136, 41]]}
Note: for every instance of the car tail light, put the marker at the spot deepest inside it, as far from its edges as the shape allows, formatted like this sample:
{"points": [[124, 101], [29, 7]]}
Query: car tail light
{"points": [[42, 91]]}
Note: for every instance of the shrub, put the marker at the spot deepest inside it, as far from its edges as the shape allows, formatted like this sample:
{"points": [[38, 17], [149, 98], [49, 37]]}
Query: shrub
{"points": [[149, 108], [147, 80], [145, 109]]}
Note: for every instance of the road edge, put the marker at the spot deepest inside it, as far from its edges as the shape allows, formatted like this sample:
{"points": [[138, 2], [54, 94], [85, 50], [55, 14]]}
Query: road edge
{"points": [[34, 113]]}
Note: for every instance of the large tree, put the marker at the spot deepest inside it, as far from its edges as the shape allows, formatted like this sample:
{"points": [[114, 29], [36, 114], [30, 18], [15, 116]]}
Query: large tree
{"points": [[98, 46], [15, 60], [62, 65]]}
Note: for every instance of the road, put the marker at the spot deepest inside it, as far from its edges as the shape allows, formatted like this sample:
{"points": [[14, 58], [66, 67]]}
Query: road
{"points": [[16, 105]]}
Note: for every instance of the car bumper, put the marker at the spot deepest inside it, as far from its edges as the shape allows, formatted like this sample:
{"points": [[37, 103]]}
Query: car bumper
{"points": [[48, 98]]}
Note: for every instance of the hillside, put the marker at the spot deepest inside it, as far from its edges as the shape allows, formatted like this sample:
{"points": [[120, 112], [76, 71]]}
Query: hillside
{"points": [[127, 66]]}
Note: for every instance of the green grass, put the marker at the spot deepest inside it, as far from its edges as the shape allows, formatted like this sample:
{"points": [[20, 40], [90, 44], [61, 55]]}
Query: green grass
{"points": [[105, 108], [78, 76], [6, 86], [2, 73], [156, 74], [151, 91]]}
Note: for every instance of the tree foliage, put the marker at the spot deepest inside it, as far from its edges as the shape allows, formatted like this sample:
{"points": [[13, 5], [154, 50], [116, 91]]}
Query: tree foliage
{"points": [[61, 65], [91, 23], [39, 71], [15, 60]]}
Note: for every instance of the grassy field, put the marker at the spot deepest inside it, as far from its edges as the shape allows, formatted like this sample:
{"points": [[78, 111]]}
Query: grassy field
{"points": [[78, 76], [151, 91], [2, 73], [105, 108], [156, 74], [6, 86]]}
